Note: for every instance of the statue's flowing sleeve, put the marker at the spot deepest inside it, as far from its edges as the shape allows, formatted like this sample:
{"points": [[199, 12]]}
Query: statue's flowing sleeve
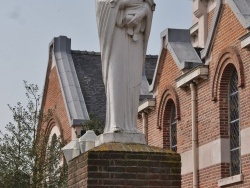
{"points": [[106, 20], [147, 30]]}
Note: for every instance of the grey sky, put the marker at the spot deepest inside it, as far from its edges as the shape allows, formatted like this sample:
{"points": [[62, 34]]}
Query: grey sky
{"points": [[27, 27]]}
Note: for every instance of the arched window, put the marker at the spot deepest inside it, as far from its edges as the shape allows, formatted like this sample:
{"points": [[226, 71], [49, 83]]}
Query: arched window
{"points": [[168, 116], [173, 130], [169, 126], [53, 140], [234, 124]]}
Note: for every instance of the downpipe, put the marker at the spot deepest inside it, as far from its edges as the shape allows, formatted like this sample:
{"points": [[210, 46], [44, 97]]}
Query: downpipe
{"points": [[194, 135], [145, 125]]}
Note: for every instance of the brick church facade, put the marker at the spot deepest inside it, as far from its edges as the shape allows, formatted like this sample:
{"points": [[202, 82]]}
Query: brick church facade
{"points": [[194, 96]]}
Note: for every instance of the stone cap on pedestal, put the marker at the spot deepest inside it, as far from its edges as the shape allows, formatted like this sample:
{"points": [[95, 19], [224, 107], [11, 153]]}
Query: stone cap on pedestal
{"points": [[131, 148], [120, 137]]}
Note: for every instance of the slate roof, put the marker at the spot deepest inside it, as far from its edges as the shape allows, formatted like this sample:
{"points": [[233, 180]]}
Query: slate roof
{"points": [[89, 73], [150, 65], [178, 43], [241, 9]]}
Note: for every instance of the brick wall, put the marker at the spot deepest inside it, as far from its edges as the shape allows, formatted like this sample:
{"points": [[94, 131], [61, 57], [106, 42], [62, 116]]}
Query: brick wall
{"points": [[210, 17], [53, 99], [211, 117], [126, 166], [209, 176]]}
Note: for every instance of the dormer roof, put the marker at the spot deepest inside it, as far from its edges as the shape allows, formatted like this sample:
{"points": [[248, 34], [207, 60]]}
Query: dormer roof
{"points": [[241, 9], [178, 43]]}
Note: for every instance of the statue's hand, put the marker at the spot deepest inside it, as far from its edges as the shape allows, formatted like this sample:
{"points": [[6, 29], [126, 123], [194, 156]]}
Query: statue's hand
{"points": [[137, 18], [113, 3]]}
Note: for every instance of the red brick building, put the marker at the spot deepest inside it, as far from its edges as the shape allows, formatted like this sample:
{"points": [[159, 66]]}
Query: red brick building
{"points": [[198, 100], [74, 88]]}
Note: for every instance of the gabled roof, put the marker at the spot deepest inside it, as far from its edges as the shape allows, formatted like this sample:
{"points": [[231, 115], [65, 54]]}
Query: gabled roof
{"points": [[73, 98], [150, 65], [241, 9], [212, 31], [80, 76], [89, 73], [178, 43]]}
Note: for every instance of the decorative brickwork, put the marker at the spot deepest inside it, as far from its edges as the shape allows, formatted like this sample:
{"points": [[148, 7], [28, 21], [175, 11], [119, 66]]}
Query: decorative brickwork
{"points": [[212, 117], [50, 125], [168, 100], [169, 94], [210, 17], [129, 165], [229, 55], [223, 100], [53, 100], [126, 166]]}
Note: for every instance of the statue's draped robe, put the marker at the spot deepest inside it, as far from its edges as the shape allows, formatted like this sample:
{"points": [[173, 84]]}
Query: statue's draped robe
{"points": [[122, 65]]}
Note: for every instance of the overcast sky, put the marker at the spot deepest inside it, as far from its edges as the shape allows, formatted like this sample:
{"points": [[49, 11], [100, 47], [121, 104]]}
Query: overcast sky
{"points": [[28, 26]]}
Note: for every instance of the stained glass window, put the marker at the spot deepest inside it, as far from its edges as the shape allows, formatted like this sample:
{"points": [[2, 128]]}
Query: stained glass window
{"points": [[173, 130], [234, 126]]}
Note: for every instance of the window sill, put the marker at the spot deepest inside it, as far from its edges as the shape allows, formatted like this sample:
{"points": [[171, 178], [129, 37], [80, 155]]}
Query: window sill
{"points": [[230, 180]]}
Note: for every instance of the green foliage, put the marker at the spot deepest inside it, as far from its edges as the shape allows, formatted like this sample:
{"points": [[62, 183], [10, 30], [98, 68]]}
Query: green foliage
{"points": [[93, 124], [28, 159]]}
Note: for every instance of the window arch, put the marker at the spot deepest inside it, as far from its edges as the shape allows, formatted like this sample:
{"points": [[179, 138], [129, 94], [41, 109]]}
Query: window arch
{"points": [[168, 115], [228, 56], [229, 118], [54, 133], [170, 126], [234, 124], [54, 127]]}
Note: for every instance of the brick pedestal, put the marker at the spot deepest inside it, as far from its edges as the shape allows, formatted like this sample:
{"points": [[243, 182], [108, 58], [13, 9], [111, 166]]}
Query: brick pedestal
{"points": [[126, 166]]}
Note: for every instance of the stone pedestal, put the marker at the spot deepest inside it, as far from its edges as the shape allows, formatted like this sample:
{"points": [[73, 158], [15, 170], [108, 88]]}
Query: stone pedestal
{"points": [[120, 137], [119, 165]]}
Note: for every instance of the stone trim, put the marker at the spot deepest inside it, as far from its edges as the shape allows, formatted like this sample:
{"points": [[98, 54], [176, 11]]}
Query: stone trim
{"points": [[141, 148], [146, 105], [245, 41], [169, 94], [245, 140], [229, 55], [214, 153], [196, 74], [211, 34], [210, 154], [211, 5], [230, 180], [72, 94], [120, 137]]}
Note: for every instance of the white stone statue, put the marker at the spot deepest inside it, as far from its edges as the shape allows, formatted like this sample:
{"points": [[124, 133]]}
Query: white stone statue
{"points": [[124, 28]]}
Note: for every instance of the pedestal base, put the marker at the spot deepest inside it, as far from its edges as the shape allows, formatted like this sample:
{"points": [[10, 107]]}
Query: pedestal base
{"points": [[125, 165], [126, 138]]}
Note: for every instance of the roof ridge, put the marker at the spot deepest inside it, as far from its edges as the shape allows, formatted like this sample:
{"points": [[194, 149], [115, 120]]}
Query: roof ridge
{"points": [[99, 53], [86, 52]]}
